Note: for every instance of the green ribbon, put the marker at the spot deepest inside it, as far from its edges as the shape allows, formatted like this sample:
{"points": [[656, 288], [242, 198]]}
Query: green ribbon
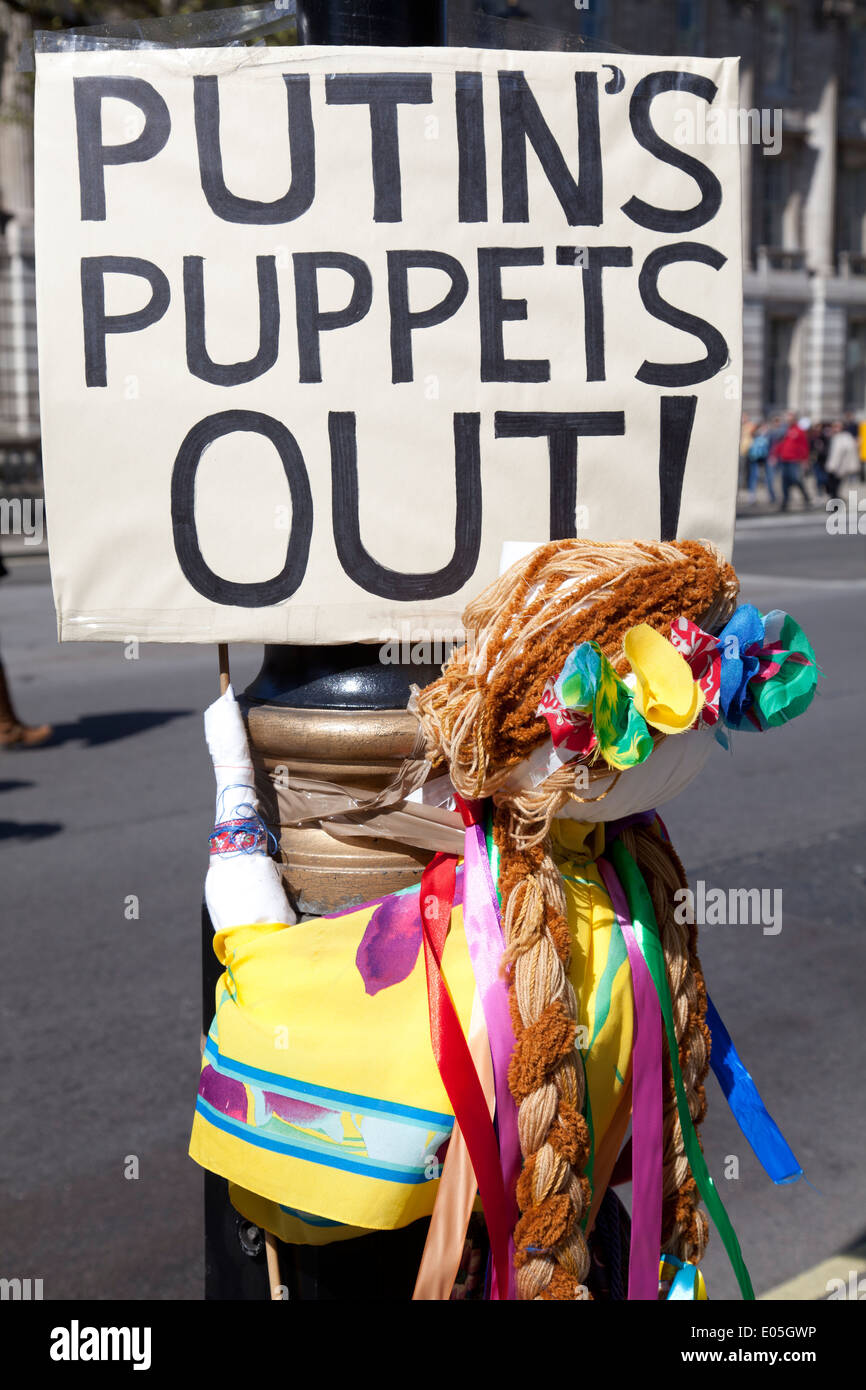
{"points": [[492, 850], [647, 933], [789, 692]]}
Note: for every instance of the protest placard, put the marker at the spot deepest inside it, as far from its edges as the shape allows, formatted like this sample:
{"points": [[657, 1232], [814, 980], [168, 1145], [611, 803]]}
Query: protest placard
{"points": [[320, 328]]}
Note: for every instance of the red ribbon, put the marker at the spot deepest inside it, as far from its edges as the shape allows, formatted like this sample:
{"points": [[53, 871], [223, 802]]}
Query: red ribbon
{"points": [[453, 1059]]}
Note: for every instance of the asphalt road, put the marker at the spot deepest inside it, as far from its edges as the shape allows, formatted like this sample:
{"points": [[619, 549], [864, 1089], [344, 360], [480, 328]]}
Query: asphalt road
{"points": [[100, 1014]]}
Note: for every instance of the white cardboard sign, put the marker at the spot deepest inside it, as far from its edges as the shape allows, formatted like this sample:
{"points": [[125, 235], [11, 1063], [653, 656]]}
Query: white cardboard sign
{"points": [[320, 328]]}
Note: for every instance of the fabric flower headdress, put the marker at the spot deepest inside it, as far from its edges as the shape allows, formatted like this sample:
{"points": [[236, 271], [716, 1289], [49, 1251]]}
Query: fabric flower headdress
{"points": [[757, 673]]}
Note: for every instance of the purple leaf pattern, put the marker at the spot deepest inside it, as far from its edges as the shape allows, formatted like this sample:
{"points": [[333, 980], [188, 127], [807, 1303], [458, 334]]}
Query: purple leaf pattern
{"points": [[390, 945]]}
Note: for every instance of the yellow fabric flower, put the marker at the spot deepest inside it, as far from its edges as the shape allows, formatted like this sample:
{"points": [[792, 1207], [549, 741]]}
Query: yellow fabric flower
{"points": [[667, 695]]}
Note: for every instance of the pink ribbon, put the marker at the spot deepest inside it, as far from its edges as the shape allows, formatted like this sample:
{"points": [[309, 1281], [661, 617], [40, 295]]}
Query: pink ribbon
{"points": [[646, 1125], [484, 939]]}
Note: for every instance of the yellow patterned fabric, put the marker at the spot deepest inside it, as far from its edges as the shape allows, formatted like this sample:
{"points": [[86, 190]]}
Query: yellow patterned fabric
{"points": [[320, 1099]]}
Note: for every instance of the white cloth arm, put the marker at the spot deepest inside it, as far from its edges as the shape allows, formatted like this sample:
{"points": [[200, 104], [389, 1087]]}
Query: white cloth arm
{"points": [[240, 888]]}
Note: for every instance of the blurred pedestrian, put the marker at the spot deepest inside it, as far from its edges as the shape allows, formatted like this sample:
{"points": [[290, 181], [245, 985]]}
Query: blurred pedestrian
{"points": [[758, 458], [777, 434], [793, 454], [747, 434], [820, 448], [843, 460], [14, 734]]}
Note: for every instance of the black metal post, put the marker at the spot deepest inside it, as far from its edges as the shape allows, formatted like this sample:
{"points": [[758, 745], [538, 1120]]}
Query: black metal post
{"points": [[379, 1267], [391, 23]]}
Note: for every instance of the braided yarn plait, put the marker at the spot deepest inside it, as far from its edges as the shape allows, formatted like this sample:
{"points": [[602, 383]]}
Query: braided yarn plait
{"points": [[545, 1075]]}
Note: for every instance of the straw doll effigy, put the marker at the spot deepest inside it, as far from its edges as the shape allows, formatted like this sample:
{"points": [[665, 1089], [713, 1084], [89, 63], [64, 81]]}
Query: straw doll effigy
{"points": [[482, 1042]]}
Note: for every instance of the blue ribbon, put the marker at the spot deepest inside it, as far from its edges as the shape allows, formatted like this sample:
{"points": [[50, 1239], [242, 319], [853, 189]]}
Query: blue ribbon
{"points": [[683, 1286], [766, 1139], [687, 1282], [745, 630]]}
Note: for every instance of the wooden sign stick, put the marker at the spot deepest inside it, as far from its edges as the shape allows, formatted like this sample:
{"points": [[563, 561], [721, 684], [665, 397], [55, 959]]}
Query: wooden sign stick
{"points": [[273, 1262], [273, 1259], [225, 677]]}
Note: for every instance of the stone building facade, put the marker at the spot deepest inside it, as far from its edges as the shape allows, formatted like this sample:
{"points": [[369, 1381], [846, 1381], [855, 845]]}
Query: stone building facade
{"points": [[19, 408], [803, 99], [803, 70]]}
